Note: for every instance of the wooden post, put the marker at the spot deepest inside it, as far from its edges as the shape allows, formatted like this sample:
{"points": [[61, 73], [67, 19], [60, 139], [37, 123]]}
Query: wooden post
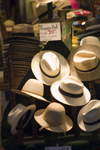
{"points": [[13, 98]]}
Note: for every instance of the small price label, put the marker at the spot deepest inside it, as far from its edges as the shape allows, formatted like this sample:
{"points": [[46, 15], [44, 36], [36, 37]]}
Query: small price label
{"points": [[50, 31], [58, 148]]}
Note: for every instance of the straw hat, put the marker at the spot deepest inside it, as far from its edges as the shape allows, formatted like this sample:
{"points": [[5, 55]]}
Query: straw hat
{"points": [[90, 40], [53, 118], [33, 88], [44, 1], [89, 116], [70, 91], [17, 112], [84, 62], [9, 25], [49, 66], [22, 28]]}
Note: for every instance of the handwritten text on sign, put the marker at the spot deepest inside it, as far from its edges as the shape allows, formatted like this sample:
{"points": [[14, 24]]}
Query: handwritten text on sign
{"points": [[50, 31]]}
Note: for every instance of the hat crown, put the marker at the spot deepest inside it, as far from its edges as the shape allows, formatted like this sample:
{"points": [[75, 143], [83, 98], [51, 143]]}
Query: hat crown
{"points": [[50, 64], [33, 86], [22, 28], [85, 60], [14, 112], [71, 85], [91, 113], [54, 114], [90, 40]]}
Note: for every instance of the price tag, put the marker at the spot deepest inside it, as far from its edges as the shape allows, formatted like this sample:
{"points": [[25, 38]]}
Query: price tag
{"points": [[50, 31], [58, 148]]}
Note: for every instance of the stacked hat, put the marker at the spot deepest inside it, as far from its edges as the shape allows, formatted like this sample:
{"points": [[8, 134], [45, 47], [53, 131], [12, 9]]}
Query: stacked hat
{"points": [[21, 46], [92, 28]]}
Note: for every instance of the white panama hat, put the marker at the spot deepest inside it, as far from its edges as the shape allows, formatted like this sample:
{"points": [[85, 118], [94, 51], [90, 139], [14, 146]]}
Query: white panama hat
{"points": [[49, 66], [53, 118], [16, 113], [22, 28], [70, 91], [32, 88], [90, 40], [88, 61], [89, 116]]}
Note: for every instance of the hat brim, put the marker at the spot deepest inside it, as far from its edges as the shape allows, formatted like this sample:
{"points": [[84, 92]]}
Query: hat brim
{"points": [[85, 76], [84, 126], [27, 94], [15, 122], [85, 33], [35, 67], [66, 126], [69, 100]]}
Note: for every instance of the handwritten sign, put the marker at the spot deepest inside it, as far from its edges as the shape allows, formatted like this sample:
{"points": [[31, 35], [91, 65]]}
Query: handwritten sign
{"points": [[58, 148], [50, 31]]}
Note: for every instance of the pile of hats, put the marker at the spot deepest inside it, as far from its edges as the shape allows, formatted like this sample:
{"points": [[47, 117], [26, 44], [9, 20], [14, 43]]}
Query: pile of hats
{"points": [[21, 46], [65, 78]]}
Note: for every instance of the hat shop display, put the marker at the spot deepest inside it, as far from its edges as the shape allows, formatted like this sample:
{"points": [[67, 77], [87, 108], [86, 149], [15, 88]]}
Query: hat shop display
{"points": [[32, 88], [53, 118], [89, 116], [17, 112], [21, 47], [84, 62], [70, 91], [49, 66]]}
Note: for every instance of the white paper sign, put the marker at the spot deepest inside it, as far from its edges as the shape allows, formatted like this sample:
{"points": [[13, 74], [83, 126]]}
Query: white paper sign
{"points": [[58, 148], [50, 31]]}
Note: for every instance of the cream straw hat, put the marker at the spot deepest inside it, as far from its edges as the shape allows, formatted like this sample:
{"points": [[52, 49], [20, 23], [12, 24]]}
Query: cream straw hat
{"points": [[16, 113], [70, 91], [49, 66], [89, 116], [32, 88], [90, 40], [84, 62], [53, 118]]}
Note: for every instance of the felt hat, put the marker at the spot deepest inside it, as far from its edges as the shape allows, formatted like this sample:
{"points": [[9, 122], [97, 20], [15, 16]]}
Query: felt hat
{"points": [[49, 66], [53, 118], [92, 28], [90, 40], [93, 23], [17, 112], [70, 91], [32, 88], [84, 62], [89, 116]]}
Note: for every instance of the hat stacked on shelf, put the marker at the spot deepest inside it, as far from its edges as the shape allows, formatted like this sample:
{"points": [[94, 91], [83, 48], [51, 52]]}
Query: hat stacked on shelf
{"points": [[92, 29], [21, 46]]}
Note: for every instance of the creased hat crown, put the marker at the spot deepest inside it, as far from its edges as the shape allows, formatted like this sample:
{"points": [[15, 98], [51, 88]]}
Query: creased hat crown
{"points": [[50, 64], [85, 60]]}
